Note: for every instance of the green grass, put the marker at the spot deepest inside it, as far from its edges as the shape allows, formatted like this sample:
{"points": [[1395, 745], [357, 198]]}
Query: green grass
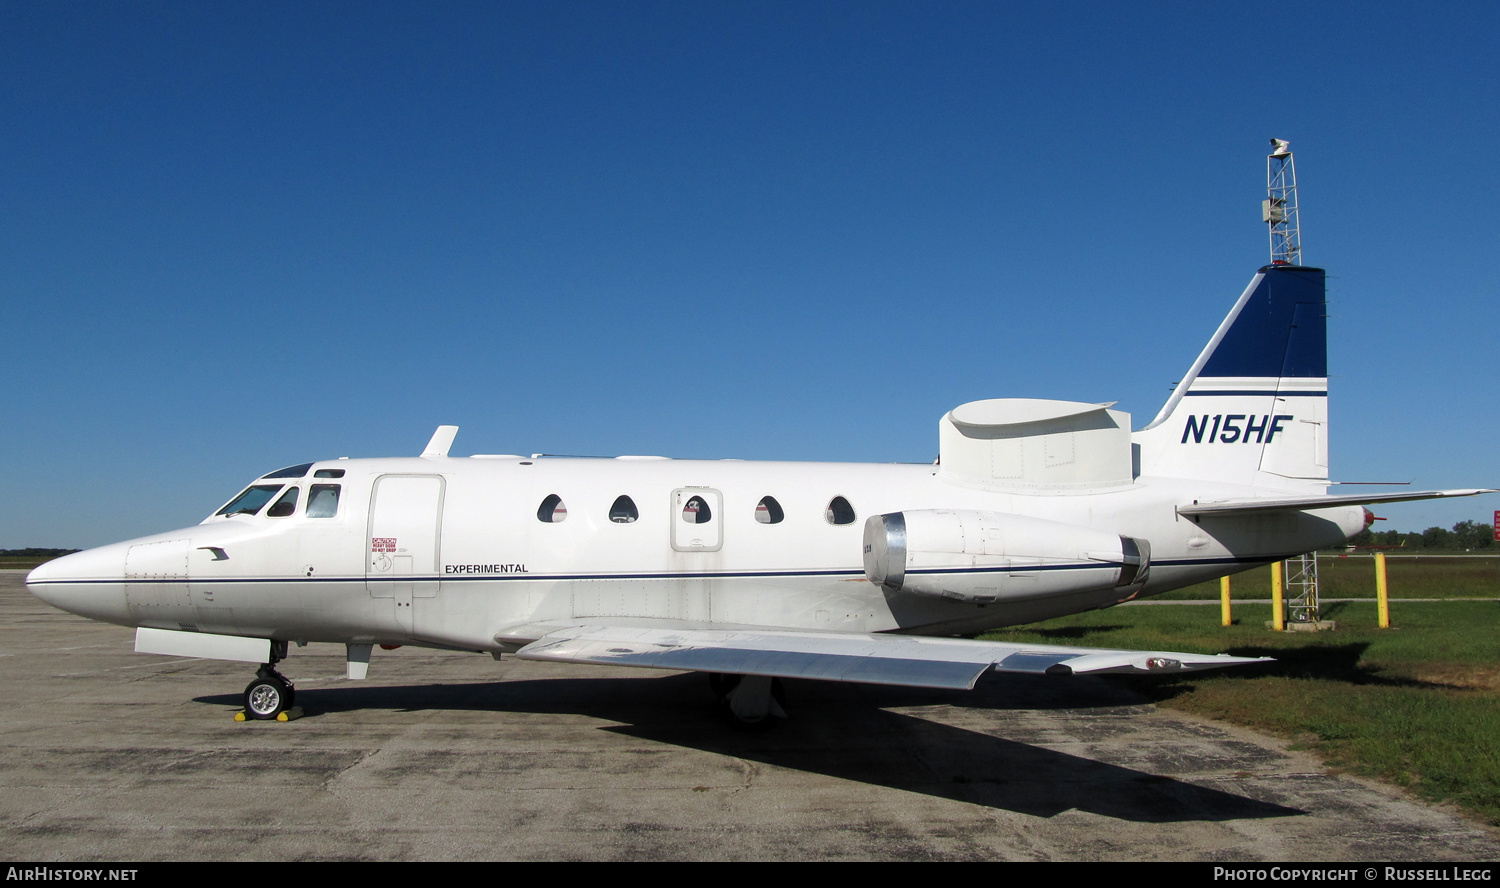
{"points": [[1417, 705], [1407, 576]]}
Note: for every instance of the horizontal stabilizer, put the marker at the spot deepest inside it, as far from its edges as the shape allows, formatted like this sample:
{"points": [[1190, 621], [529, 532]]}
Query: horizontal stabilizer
{"points": [[907, 660], [1298, 503]]}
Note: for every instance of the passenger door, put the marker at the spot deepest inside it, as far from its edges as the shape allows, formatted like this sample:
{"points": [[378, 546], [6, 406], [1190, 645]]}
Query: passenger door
{"points": [[405, 542]]}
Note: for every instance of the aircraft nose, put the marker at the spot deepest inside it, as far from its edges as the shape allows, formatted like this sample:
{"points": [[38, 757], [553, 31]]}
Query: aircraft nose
{"points": [[90, 584]]}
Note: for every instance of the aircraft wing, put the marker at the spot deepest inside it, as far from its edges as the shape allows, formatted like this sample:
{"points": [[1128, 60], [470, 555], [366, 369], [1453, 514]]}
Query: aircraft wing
{"points": [[1243, 506], [909, 660]]}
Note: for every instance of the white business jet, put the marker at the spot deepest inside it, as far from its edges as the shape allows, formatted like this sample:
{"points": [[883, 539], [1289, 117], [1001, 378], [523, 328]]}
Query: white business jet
{"points": [[755, 571]]}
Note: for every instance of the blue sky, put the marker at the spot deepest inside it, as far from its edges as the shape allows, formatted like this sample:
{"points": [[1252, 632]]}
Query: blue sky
{"points": [[239, 236]]}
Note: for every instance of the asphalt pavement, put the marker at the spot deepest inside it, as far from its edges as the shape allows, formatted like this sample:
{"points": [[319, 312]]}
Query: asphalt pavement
{"points": [[109, 755]]}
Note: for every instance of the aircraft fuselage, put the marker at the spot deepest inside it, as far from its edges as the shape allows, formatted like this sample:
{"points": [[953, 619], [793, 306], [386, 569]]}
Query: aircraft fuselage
{"points": [[455, 552]]}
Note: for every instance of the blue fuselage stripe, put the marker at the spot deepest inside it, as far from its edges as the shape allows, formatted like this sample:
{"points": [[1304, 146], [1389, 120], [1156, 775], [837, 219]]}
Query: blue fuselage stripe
{"points": [[1183, 562]]}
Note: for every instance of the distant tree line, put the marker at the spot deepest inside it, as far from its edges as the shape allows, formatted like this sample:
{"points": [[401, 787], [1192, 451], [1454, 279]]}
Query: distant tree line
{"points": [[37, 553], [1465, 536]]}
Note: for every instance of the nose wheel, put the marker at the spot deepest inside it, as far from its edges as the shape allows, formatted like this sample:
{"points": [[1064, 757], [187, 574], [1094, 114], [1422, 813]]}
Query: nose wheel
{"points": [[270, 694]]}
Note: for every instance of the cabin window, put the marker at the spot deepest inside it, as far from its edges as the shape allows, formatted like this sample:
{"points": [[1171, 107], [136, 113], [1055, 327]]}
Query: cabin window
{"points": [[552, 510], [289, 472], [323, 501], [768, 511], [329, 473], [284, 506], [250, 500], [623, 511], [696, 511], [839, 511]]}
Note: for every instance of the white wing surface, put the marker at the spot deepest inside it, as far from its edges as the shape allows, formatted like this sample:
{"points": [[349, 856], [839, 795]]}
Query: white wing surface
{"points": [[908, 660], [1232, 507]]}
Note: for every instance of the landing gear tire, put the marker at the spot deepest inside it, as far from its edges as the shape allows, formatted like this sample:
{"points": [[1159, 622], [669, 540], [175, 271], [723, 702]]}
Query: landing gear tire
{"points": [[754, 705], [721, 684], [268, 696]]}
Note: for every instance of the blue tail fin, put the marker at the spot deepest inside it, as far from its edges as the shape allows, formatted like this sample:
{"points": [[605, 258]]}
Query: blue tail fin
{"points": [[1253, 409]]}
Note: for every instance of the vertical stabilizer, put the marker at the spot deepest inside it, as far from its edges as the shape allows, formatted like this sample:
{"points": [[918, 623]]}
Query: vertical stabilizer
{"points": [[1253, 408]]}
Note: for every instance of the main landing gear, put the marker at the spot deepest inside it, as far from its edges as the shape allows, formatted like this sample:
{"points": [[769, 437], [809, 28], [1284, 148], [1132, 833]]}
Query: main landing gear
{"points": [[750, 702], [271, 693]]}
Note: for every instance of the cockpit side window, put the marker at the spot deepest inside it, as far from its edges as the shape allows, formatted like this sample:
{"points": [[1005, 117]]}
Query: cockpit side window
{"points": [[250, 501], [284, 506], [323, 501], [288, 472]]}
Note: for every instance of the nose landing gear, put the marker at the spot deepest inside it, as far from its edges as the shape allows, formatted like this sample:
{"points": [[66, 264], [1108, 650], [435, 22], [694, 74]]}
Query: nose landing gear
{"points": [[271, 693]]}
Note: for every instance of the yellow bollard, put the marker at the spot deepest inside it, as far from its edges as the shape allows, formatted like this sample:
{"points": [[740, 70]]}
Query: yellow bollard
{"points": [[1382, 598], [1278, 618], [1224, 601]]}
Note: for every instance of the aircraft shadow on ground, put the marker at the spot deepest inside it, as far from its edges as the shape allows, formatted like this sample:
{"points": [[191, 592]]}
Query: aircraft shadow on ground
{"points": [[1328, 662], [1064, 634], [849, 732]]}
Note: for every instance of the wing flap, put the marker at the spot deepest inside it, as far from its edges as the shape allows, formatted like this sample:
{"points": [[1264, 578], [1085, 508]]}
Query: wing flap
{"points": [[906, 660]]}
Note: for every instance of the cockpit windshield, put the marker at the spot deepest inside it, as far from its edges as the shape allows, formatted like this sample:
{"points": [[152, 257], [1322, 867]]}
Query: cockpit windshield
{"points": [[251, 500], [288, 472]]}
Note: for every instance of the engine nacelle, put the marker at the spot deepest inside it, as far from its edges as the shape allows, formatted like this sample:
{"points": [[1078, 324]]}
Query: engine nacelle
{"points": [[989, 556]]}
